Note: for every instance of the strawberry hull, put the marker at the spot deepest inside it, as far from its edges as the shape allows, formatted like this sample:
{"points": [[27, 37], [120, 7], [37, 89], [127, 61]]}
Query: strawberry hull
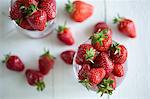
{"points": [[101, 40], [85, 54], [118, 54]]}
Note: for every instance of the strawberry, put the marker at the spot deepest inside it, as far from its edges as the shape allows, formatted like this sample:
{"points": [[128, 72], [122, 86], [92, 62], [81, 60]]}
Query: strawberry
{"points": [[47, 1], [67, 56], [79, 11], [118, 70], [102, 40], [49, 6], [65, 35], [112, 77], [46, 62], [83, 72], [27, 3], [86, 54], [118, 53], [103, 61], [107, 85], [15, 11], [100, 26], [96, 75], [126, 26], [35, 78], [91, 78], [13, 63], [24, 24], [36, 18]]}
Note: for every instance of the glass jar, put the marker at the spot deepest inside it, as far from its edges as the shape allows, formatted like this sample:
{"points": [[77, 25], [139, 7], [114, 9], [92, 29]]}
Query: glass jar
{"points": [[35, 33]]}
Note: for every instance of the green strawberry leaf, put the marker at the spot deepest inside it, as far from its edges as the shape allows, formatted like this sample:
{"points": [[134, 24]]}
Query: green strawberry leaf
{"points": [[117, 19], [6, 57], [17, 21], [69, 7], [62, 27], [47, 53], [90, 54], [28, 11], [116, 48], [105, 87], [85, 83], [40, 85], [99, 37]]}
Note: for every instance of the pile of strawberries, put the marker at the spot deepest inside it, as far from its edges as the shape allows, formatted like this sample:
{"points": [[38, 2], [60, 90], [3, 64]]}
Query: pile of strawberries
{"points": [[33, 77], [101, 60], [33, 14]]}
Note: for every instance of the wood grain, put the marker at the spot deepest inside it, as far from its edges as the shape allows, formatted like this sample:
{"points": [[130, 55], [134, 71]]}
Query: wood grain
{"points": [[61, 82], [136, 83]]}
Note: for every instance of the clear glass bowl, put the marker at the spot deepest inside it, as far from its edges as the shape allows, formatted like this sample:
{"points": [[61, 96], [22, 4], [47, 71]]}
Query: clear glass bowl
{"points": [[77, 67], [35, 33]]}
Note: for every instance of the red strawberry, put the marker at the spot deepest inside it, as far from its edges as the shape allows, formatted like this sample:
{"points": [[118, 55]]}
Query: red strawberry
{"points": [[102, 40], [126, 26], [46, 62], [14, 63], [86, 54], [65, 35], [118, 53], [24, 24], [107, 85], [112, 77], [47, 1], [96, 75], [36, 18], [50, 8], [103, 60], [27, 3], [118, 70], [35, 78], [100, 26], [15, 11], [79, 11], [83, 72], [67, 56]]}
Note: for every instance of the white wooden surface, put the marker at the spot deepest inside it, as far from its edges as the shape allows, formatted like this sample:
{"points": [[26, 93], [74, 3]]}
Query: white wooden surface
{"points": [[61, 83]]}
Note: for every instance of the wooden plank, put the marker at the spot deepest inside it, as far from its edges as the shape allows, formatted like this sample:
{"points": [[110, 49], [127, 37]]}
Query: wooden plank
{"points": [[14, 85], [61, 82], [4, 17], [136, 84], [66, 85]]}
